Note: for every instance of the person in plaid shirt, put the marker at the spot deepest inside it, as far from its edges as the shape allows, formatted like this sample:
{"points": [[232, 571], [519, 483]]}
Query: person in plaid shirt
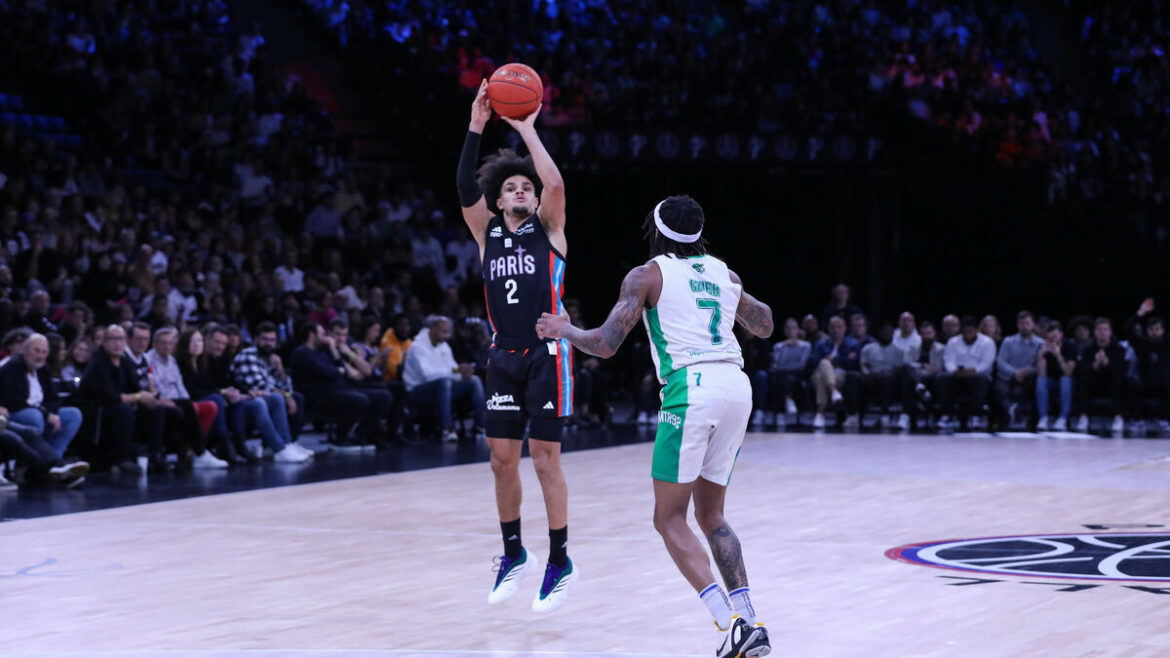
{"points": [[258, 371]]}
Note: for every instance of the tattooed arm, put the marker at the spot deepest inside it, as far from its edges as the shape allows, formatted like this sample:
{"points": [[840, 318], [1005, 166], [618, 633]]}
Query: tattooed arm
{"points": [[642, 283], [752, 314]]}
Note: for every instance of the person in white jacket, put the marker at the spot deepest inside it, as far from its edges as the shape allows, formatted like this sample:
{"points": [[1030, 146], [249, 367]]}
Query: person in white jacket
{"points": [[968, 360], [434, 380]]}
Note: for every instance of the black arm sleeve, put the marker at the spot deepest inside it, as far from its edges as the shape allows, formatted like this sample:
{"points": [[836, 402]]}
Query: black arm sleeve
{"points": [[469, 191]]}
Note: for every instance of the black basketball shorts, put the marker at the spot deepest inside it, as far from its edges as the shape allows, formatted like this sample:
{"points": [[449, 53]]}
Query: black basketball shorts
{"points": [[534, 383]]}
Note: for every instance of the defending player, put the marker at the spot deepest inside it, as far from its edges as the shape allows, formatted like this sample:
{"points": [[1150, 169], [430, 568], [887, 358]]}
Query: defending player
{"points": [[520, 228], [690, 302]]}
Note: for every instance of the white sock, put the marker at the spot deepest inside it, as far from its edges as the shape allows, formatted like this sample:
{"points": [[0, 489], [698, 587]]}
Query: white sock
{"points": [[716, 600], [741, 601]]}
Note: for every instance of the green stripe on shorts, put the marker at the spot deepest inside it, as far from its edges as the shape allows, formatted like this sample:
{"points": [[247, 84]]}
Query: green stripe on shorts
{"points": [[672, 418]]}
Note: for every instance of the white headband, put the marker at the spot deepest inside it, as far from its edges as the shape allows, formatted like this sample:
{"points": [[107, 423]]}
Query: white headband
{"points": [[671, 233]]}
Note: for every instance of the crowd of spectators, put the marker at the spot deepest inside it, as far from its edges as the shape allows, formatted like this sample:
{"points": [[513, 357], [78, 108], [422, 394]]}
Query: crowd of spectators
{"points": [[964, 373], [207, 228], [973, 70], [205, 224]]}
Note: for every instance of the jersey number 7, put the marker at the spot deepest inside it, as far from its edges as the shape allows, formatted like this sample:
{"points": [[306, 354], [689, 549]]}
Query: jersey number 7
{"points": [[712, 305]]}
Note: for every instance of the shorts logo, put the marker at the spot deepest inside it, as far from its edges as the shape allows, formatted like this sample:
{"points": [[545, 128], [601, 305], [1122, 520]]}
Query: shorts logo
{"points": [[548, 405], [668, 418], [499, 402], [1084, 556]]}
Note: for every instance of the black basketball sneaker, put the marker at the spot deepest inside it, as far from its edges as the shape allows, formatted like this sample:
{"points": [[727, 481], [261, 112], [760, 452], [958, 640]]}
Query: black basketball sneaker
{"points": [[744, 640]]}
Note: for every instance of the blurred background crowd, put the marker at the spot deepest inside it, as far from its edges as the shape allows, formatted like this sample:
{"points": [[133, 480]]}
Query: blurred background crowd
{"points": [[167, 168]]}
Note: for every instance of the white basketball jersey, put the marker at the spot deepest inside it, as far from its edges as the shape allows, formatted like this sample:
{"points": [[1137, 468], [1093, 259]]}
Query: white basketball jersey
{"points": [[695, 315]]}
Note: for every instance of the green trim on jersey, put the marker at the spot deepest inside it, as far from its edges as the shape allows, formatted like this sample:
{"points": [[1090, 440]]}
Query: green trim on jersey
{"points": [[672, 419], [665, 363]]}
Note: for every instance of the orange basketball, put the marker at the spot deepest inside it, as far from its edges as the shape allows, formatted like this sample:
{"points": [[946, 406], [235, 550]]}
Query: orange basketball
{"points": [[515, 90]]}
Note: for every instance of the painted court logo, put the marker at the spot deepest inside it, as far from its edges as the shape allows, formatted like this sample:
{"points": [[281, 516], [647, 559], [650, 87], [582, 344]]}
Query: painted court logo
{"points": [[1108, 556]]}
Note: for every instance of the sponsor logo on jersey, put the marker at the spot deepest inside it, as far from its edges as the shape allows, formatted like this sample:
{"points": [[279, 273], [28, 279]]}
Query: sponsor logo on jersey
{"points": [[674, 420], [698, 267], [512, 265], [499, 402], [496, 232]]}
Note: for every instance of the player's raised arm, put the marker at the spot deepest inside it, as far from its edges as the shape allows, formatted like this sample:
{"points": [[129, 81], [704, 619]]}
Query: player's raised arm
{"points": [[552, 199], [471, 198], [752, 314], [642, 283]]}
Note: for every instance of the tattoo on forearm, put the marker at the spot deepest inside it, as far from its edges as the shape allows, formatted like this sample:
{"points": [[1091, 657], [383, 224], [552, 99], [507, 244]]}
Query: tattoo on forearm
{"points": [[728, 556], [754, 316], [606, 339]]}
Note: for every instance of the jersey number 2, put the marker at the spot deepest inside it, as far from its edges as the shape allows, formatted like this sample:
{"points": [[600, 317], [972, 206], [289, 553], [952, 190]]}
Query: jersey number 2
{"points": [[512, 286], [712, 305]]}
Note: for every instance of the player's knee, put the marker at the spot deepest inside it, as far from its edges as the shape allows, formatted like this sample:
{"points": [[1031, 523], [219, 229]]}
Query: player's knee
{"points": [[708, 520], [546, 464], [503, 463], [665, 520]]}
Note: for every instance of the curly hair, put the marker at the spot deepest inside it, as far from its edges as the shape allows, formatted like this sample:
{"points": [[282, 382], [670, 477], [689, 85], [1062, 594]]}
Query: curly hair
{"points": [[499, 167], [680, 213]]}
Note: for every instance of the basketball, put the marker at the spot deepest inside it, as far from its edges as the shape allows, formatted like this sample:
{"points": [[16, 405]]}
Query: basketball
{"points": [[515, 90]]}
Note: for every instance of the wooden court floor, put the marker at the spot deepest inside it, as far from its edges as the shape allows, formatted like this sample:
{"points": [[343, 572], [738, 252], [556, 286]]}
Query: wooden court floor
{"points": [[400, 564]]}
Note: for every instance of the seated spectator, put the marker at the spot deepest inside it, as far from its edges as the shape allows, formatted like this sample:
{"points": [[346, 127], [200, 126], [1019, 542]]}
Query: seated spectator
{"points": [[196, 417], [1082, 328], [920, 375], [197, 379], [339, 331], [989, 326], [1153, 352], [1015, 375], [137, 342], [76, 323], [950, 328], [1056, 361], [55, 364], [13, 343], [835, 364], [907, 338], [329, 390], [786, 375], [880, 362], [397, 341], [435, 381], [28, 447], [968, 360], [839, 306], [111, 385], [29, 397], [859, 330], [1101, 370], [367, 346], [267, 414], [259, 371], [810, 331], [40, 316], [78, 359]]}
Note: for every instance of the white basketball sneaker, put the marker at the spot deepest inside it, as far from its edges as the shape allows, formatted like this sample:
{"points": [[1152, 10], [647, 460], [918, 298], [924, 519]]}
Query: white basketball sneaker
{"points": [[555, 588], [508, 572]]}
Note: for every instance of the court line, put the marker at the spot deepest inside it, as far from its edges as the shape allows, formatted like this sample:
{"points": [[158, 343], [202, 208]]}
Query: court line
{"points": [[228, 652]]}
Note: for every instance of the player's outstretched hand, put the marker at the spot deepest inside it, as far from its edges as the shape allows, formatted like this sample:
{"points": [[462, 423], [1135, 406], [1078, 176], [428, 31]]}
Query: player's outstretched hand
{"points": [[551, 326], [481, 110], [527, 123]]}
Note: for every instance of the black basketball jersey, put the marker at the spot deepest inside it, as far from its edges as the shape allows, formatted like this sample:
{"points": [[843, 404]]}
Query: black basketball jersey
{"points": [[523, 276]]}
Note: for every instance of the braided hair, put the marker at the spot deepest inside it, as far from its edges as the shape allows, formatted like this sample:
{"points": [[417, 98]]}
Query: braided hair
{"points": [[682, 214]]}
